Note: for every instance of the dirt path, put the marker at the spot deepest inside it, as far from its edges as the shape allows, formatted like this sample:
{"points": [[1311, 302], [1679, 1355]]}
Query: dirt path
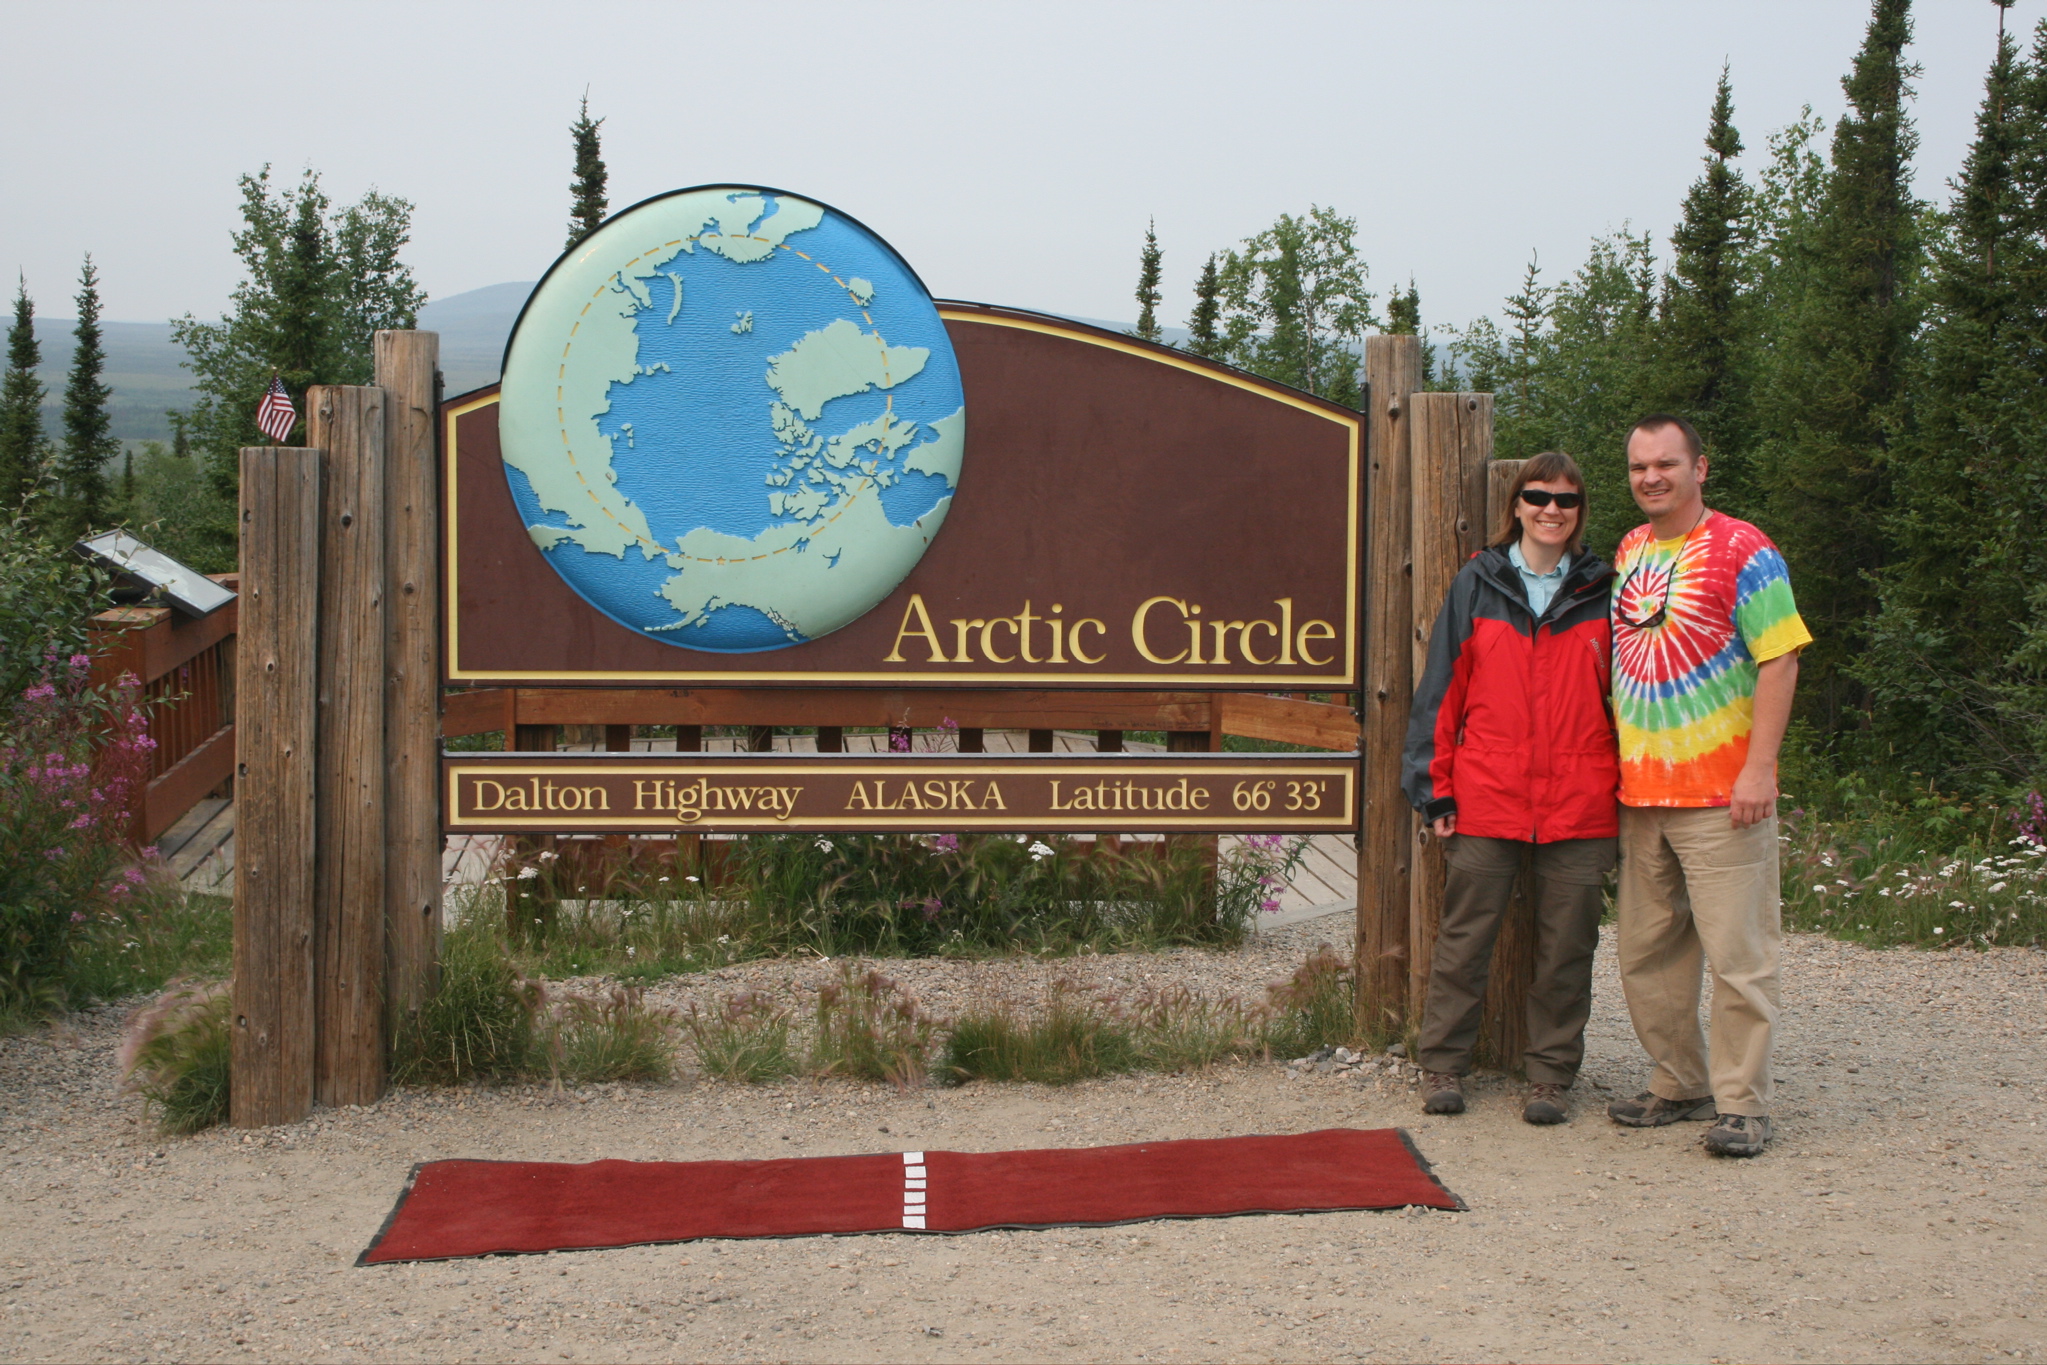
{"points": [[1899, 1216]]}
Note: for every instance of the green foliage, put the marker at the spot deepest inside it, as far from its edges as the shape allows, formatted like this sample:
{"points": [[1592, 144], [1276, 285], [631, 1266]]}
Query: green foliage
{"points": [[176, 1054], [1573, 371], [1404, 319], [88, 442], [616, 1036], [1832, 396], [1295, 306], [173, 507], [157, 931], [319, 283], [1955, 659], [1203, 338], [1702, 324], [745, 1037], [478, 1023], [586, 192], [1147, 328], [867, 1027], [22, 453], [47, 597], [73, 761]]}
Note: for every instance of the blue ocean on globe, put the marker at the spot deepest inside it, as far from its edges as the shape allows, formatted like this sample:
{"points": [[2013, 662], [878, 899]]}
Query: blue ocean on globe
{"points": [[776, 439]]}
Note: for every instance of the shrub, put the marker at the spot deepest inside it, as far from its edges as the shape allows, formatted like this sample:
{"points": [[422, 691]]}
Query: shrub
{"points": [[745, 1038], [150, 932], [1178, 1030], [73, 759], [1313, 1007], [1071, 1041], [478, 1023], [175, 1053], [612, 1037], [870, 1028]]}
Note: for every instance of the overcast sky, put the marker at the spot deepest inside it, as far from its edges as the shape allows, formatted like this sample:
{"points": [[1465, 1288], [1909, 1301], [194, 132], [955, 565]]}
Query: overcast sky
{"points": [[1011, 152]]}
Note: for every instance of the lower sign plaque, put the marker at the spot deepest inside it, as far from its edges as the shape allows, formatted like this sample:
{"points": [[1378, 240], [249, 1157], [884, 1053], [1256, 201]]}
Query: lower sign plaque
{"points": [[754, 793]]}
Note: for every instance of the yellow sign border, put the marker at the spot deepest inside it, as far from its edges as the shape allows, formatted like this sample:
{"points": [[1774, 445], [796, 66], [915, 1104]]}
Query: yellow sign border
{"points": [[1345, 681]]}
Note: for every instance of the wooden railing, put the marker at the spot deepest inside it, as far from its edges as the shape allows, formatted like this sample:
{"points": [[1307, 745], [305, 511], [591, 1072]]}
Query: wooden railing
{"points": [[187, 672]]}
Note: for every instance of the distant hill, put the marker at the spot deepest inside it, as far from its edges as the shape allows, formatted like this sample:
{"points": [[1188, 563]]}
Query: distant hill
{"points": [[148, 377]]}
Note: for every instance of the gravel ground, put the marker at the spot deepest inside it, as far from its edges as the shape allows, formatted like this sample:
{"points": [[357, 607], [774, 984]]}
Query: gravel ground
{"points": [[1897, 1218]]}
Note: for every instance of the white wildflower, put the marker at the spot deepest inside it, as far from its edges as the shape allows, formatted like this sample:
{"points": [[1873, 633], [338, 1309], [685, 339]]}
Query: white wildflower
{"points": [[689, 879], [549, 855], [1883, 891], [528, 873], [1039, 852], [1938, 930], [824, 846], [1997, 886], [1953, 905]]}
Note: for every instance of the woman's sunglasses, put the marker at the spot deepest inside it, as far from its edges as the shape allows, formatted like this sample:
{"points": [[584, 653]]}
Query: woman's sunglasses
{"points": [[1542, 497]]}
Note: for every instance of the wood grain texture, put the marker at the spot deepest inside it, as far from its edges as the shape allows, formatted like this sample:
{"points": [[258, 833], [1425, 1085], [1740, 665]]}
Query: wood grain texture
{"points": [[1316, 724], [1451, 441], [406, 370], [348, 904], [1393, 371], [276, 721]]}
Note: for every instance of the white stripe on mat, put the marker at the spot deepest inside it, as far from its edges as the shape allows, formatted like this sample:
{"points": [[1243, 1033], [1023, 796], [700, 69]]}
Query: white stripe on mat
{"points": [[915, 1179]]}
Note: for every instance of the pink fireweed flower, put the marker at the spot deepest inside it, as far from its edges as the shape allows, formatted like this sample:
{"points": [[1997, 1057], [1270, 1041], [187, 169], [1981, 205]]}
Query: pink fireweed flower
{"points": [[946, 843]]}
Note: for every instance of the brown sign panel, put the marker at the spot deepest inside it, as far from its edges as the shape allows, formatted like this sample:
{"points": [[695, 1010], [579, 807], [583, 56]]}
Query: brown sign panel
{"points": [[1126, 516], [755, 793]]}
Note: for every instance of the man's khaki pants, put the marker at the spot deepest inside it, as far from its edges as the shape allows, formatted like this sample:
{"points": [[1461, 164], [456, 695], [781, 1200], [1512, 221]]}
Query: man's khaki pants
{"points": [[1694, 887], [1569, 878]]}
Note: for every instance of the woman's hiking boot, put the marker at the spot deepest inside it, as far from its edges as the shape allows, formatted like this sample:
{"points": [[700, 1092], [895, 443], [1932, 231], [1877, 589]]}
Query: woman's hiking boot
{"points": [[1738, 1135], [1546, 1104], [1444, 1092], [1650, 1110]]}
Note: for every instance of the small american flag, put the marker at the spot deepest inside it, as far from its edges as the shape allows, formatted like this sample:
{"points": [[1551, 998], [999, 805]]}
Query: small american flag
{"points": [[275, 416]]}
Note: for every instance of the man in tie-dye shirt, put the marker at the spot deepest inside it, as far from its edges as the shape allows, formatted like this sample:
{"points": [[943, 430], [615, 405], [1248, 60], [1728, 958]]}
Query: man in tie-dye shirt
{"points": [[1705, 660]]}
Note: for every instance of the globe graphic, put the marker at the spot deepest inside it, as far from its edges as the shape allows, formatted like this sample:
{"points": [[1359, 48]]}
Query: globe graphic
{"points": [[731, 419]]}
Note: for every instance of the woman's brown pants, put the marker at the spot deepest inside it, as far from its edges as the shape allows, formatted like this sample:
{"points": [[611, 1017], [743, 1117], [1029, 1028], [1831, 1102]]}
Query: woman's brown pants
{"points": [[1569, 875]]}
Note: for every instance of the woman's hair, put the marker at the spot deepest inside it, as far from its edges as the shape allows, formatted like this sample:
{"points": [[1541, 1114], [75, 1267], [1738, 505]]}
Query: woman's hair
{"points": [[1548, 467]]}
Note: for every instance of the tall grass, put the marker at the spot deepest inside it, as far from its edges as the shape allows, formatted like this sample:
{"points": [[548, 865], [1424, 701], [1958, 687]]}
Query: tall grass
{"points": [[477, 1024], [175, 1053], [869, 1028]]}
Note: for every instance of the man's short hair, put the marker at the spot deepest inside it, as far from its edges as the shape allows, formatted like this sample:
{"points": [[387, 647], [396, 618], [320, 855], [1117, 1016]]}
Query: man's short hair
{"points": [[1657, 421]]}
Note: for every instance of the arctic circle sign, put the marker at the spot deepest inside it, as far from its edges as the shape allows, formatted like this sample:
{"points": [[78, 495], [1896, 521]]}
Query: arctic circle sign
{"points": [[732, 420]]}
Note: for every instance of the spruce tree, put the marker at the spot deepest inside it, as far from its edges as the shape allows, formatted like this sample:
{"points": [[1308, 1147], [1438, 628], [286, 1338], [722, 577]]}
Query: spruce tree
{"points": [[1147, 328], [1839, 373], [1203, 338], [1700, 336], [88, 443], [586, 192], [21, 400], [1950, 665], [1404, 318]]}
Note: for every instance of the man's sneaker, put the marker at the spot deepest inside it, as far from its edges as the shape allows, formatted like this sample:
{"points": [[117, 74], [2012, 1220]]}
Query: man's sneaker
{"points": [[1546, 1104], [1445, 1093], [1738, 1135], [1650, 1110]]}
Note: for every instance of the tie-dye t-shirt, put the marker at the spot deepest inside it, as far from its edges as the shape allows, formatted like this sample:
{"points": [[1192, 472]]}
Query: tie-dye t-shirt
{"points": [[1684, 689]]}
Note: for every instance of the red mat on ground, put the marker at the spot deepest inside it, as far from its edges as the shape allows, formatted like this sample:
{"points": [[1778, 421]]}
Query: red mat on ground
{"points": [[479, 1208]]}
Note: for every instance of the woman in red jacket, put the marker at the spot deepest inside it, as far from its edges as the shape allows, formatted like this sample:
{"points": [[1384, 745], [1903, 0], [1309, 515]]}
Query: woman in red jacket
{"points": [[1510, 747]]}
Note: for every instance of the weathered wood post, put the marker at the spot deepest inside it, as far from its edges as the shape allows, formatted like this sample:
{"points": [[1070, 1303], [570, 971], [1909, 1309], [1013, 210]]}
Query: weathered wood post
{"points": [[1503, 1033], [1451, 440], [276, 728], [348, 904], [1393, 371], [406, 369]]}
